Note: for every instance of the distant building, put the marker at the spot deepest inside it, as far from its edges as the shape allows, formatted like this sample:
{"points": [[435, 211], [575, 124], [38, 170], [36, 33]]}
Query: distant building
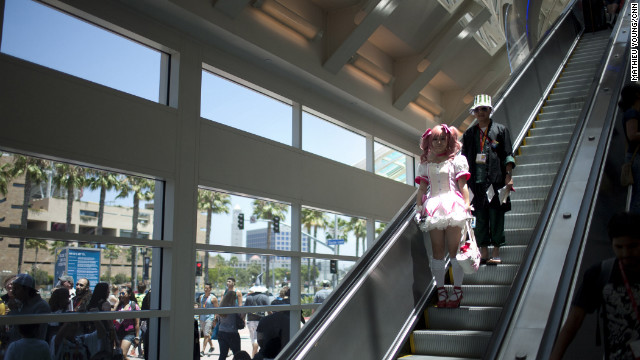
{"points": [[280, 241]]}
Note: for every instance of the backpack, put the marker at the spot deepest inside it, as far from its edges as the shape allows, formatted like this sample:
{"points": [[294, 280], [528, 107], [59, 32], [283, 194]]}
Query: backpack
{"points": [[75, 350]]}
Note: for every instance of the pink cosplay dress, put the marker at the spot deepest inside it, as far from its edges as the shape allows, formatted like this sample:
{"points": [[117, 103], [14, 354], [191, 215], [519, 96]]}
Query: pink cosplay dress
{"points": [[443, 205]]}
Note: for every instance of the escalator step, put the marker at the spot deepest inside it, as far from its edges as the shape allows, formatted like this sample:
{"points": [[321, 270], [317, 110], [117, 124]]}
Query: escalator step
{"points": [[463, 318], [451, 343], [483, 295], [502, 274]]}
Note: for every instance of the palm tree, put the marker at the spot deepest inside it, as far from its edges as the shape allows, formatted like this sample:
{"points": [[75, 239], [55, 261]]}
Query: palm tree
{"points": [[142, 189], [70, 177], [104, 181], [33, 171], [55, 246], [359, 229], [5, 178], [267, 210], [343, 229], [111, 252], [36, 244], [214, 203], [318, 220]]}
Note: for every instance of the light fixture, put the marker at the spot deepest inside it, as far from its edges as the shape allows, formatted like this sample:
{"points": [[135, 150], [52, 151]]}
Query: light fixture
{"points": [[288, 18], [368, 67], [429, 105]]}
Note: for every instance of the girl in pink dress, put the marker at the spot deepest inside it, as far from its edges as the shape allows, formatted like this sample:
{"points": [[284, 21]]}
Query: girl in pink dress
{"points": [[443, 204]]}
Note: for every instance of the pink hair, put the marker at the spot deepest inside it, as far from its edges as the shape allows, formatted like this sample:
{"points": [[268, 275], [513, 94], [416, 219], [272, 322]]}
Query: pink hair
{"points": [[453, 145]]}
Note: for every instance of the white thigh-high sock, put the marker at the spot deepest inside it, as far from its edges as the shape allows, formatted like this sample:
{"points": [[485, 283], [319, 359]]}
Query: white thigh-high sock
{"points": [[458, 273], [437, 269]]}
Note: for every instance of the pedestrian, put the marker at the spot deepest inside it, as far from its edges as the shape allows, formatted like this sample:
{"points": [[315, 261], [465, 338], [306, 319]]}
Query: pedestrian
{"points": [[257, 297], [322, 294], [29, 347], [630, 104], [612, 287], [83, 295], [24, 290], [113, 297], [127, 330], [9, 298], [59, 303], [231, 284], [487, 147], [443, 204], [228, 336], [66, 281], [207, 322], [273, 334]]}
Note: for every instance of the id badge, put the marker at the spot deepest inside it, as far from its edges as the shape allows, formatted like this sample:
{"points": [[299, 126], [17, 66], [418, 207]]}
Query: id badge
{"points": [[635, 348], [473, 222], [481, 159]]}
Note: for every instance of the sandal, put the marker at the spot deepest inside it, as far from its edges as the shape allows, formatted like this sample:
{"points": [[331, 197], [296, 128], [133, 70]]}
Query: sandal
{"points": [[442, 297], [455, 298], [494, 261]]}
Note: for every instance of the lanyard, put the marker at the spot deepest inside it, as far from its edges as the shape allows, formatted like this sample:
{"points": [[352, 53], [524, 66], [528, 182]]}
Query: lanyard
{"points": [[626, 284], [483, 137]]}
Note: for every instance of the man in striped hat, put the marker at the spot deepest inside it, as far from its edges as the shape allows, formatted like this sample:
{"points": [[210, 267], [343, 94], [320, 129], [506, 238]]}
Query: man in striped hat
{"points": [[487, 147]]}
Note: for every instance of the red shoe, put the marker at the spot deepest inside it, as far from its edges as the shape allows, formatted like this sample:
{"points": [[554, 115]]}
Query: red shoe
{"points": [[442, 297], [455, 298]]}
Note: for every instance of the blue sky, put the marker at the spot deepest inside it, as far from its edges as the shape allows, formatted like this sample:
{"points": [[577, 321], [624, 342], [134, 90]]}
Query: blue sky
{"points": [[40, 34]]}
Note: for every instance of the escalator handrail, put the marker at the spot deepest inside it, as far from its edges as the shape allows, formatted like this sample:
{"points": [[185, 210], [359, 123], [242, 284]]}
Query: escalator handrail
{"points": [[304, 339], [569, 270], [509, 308]]}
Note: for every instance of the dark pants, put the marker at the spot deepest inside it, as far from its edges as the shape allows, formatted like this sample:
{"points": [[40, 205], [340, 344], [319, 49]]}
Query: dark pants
{"points": [[226, 341], [489, 227]]}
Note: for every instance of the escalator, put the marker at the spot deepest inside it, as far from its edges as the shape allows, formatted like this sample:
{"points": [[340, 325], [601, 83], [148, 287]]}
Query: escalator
{"points": [[465, 332], [383, 307]]}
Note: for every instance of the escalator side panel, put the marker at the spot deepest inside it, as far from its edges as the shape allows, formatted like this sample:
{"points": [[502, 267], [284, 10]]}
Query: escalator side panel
{"points": [[367, 323], [371, 320]]}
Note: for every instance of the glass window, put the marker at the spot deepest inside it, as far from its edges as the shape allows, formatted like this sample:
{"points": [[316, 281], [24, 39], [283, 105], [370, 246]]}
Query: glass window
{"points": [[241, 221], [324, 138], [319, 229], [45, 36], [391, 163], [234, 105], [102, 202]]}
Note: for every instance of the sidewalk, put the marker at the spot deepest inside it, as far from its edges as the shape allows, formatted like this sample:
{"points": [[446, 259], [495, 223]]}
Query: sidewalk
{"points": [[245, 344]]}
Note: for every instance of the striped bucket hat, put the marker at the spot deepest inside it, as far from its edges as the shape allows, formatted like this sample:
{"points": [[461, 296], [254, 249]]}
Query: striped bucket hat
{"points": [[481, 100]]}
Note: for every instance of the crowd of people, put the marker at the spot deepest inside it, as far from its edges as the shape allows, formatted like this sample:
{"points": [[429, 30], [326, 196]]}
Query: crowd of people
{"points": [[268, 331], [104, 339]]}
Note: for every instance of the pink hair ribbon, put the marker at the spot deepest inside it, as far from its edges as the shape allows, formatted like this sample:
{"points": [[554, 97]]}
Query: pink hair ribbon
{"points": [[446, 128], [426, 133]]}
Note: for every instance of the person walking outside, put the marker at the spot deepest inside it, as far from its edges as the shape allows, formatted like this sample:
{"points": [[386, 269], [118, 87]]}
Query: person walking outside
{"points": [[228, 336], [207, 322], [443, 204], [487, 147]]}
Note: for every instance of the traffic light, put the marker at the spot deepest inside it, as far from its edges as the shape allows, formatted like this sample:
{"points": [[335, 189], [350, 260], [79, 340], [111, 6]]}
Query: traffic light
{"points": [[241, 221], [333, 266], [198, 268], [276, 224]]}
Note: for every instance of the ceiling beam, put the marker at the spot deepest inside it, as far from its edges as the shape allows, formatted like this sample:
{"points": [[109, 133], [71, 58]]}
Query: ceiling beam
{"points": [[376, 12], [449, 49]]}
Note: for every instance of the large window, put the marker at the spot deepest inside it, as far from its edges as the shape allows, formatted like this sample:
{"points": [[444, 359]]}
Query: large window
{"points": [[45, 36], [391, 163], [229, 103], [326, 139]]}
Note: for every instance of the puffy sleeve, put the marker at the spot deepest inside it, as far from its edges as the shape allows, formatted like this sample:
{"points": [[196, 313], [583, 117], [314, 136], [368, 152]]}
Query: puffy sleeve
{"points": [[422, 174], [461, 167]]}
